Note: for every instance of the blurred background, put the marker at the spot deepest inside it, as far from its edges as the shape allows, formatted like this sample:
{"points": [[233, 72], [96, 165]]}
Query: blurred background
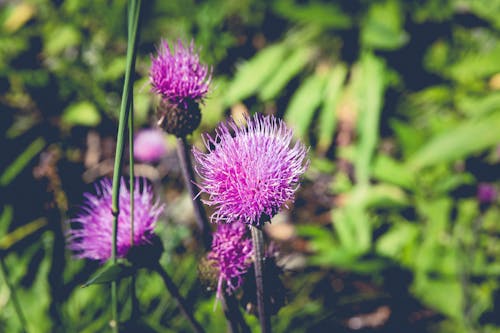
{"points": [[396, 224]]}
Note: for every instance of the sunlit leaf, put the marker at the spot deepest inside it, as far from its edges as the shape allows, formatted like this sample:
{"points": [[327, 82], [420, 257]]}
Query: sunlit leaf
{"points": [[324, 14], [371, 84], [389, 170], [328, 116], [252, 74], [382, 28], [393, 243], [18, 17], [81, 113], [468, 138], [61, 38], [290, 67], [385, 196], [304, 103]]}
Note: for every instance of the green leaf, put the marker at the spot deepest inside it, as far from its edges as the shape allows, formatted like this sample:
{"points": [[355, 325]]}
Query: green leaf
{"points": [[61, 38], [22, 161], [304, 102], [114, 70], [81, 113], [487, 9], [6, 218], [352, 224], [470, 137], [385, 196], [382, 28], [387, 169], [290, 67], [444, 295], [110, 272], [477, 106], [7, 241], [19, 15], [322, 14], [370, 83], [393, 243], [252, 74], [409, 137], [476, 65], [328, 115]]}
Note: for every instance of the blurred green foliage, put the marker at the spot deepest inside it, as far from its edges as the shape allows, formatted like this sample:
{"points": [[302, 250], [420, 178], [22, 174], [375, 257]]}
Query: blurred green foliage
{"points": [[399, 101]]}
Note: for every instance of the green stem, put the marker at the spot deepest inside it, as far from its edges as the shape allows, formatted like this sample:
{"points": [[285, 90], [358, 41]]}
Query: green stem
{"points": [[235, 319], [133, 295], [258, 248], [181, 302], [233, 315], [13, 295], [134, 7], [184, 154]]}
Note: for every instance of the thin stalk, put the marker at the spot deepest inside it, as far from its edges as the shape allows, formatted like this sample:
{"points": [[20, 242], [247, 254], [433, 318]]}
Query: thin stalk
{"points": [[181, 302], [258, 247], [232, 325], [234, 317], [133, 295], [184, 154], [134, 7], [13, 296]]}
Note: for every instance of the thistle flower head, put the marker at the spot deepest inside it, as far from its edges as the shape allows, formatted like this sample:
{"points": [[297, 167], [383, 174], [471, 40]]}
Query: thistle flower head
{"points": [[149, 145], [177, 74], [250, 172], [486, 193], [231, 255], [92, 229]]}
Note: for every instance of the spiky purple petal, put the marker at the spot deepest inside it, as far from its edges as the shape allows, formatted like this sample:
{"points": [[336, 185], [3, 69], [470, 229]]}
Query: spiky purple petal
{"points": [[231, 254], [250, 172], [91, 231], [177, 74]]}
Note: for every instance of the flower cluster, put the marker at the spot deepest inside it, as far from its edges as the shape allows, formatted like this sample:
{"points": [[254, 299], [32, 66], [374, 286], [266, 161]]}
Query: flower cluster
{"points": [[92, 229], [250, 172], [231, 255], [177, 75]]}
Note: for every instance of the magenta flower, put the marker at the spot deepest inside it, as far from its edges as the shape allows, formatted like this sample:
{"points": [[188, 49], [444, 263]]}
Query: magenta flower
{"points": [[251, 173], [231, 254], [177, 74], [92, 230], [486, 193], [149, 145]]}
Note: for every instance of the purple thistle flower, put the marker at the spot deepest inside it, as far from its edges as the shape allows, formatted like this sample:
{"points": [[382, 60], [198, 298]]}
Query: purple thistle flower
{"points": [[177, 74], [231, 254], [486, 193], [250, 175], [149, 145], [92, 232]]}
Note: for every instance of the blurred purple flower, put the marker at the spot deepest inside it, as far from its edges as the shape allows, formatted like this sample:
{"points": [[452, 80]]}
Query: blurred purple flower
{"points": [[231, 254], [149, 145], [250, 175], [177, 74], [486, 193], [92, 229]]}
